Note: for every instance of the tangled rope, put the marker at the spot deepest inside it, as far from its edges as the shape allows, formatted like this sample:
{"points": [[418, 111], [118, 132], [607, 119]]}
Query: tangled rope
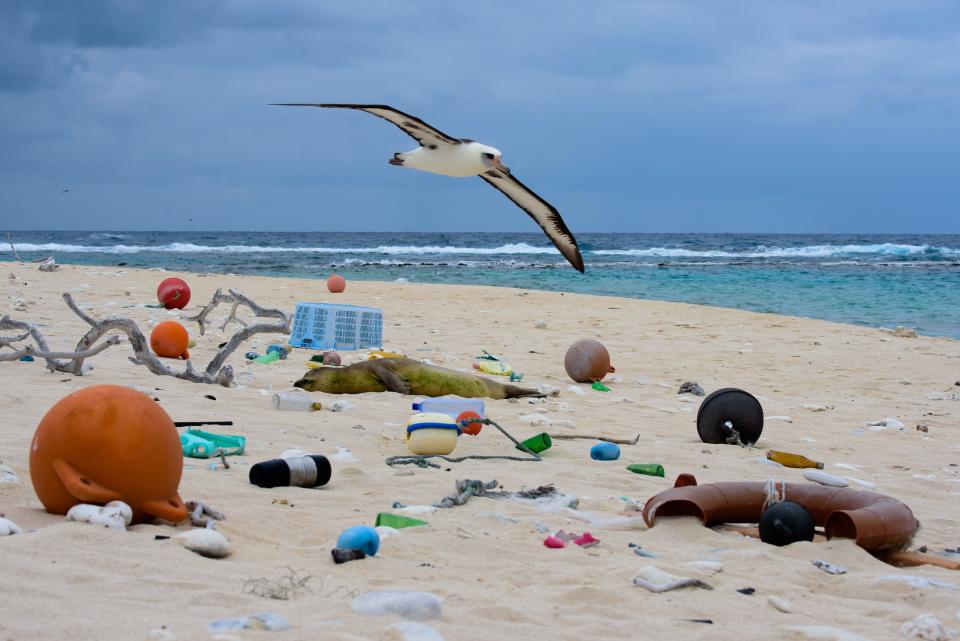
{"points": [[421, 460]]}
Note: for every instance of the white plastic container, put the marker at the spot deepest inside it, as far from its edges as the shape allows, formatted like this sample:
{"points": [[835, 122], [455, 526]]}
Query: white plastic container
{"points": [[452, 406], [292, 401]]}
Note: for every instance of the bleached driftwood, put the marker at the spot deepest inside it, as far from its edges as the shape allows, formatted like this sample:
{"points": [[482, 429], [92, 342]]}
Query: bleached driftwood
{"points": [[42, 350], [220, 297], [215, 372]]}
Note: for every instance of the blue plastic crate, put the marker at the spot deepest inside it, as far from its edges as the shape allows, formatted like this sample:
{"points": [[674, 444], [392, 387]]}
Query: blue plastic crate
{"points": [[340, 327]]}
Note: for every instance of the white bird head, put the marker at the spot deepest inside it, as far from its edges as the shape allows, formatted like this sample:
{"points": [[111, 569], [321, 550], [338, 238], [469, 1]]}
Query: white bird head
{"points": [[491, 157]]}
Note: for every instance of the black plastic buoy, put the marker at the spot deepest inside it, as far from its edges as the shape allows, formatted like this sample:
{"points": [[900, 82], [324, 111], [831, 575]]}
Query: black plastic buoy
{"points": [[786, 522], [300, 471], [729, 412]]}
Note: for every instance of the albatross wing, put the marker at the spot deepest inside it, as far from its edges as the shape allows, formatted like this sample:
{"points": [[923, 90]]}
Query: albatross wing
{"points": [[417, 129], [541, 211]]}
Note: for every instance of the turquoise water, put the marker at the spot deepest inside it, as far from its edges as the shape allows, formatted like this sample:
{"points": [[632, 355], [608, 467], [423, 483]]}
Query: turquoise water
{"points": [[871, 280]]}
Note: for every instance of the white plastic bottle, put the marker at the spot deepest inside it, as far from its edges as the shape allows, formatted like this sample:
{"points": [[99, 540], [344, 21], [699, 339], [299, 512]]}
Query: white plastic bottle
{"points": [[294, 402], [452, 406]]}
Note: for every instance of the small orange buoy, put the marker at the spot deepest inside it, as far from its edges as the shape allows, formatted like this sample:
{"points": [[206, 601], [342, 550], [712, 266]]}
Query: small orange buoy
{"points": [[471, 428], [173, 293], [336, 283], [169, 339], [108, 443]]}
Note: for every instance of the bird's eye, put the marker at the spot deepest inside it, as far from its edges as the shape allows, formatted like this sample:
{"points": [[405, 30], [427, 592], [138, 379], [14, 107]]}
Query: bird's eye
{"points": [[488, 156]]}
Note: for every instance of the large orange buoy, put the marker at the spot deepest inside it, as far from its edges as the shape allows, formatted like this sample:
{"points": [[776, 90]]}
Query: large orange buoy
{"points": [[173, 293], [587, 361], [170, 340], [108, 443], [336, 283]]}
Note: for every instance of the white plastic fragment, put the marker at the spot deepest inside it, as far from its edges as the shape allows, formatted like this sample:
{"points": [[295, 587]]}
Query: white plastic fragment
{"points": [[115, 514], [418, 606], [656, 580], [780, 604], [260, 621], [870, 485], [535, 420], [162, 634], [928, 628], [411, 631], [705, 566], [885, 424], [815, 407], [573, 389], [915, 581], [341, 405], [785, 419], [344, 455], [205, 542], [827, 633], [8, 527], [7, 475], [825, 479], [829, 568]]}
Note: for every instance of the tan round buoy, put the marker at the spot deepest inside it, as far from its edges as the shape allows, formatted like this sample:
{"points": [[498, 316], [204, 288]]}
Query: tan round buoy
{"points": [[587, 361]]}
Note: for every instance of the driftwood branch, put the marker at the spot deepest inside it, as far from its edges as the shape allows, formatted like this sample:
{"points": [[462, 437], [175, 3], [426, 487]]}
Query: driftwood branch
{"points": [[42, 350], [216, 372], [13, 249], [219, 297]]}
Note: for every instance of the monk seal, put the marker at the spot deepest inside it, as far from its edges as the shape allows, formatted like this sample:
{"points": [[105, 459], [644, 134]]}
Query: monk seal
{"points": [[406, 376]]}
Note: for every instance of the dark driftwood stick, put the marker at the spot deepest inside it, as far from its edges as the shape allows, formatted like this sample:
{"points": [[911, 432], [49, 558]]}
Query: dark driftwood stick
{"points": [[619, 441]]}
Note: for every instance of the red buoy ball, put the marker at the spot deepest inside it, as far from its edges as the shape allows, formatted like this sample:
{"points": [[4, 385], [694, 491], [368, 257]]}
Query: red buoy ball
{"points": [[470, 428], [173, 293], [336, 283]]}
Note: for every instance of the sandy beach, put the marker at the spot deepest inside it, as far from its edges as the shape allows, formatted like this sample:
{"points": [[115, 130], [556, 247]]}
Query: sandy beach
{"points": [[820, 383]]}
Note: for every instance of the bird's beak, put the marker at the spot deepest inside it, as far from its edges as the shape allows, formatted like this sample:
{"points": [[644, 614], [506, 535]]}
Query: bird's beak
{"points": [[500, 165]]}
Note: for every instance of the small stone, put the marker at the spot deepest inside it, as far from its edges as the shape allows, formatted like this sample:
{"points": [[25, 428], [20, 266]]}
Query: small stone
{"points": [[205, 542], [903, 332], [540, 324], [780, 604], [8, 527], [922, 427], [7, 475], [690, 387], [928, 628]]}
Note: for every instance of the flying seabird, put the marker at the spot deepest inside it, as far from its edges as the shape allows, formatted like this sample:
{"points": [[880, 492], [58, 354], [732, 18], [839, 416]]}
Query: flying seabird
{"points": [[439, 153]]}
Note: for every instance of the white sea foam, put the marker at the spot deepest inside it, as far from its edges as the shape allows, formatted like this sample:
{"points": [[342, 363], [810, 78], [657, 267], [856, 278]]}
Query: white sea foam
{"points": [[810, 251], [762, 251]]}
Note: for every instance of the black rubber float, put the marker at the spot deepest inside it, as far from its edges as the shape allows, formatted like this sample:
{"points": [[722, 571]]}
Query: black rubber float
{"points": [[728, 413]]}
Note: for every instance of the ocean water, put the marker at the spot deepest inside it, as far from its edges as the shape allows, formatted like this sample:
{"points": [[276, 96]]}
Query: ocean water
{"points": [[871, 280]]}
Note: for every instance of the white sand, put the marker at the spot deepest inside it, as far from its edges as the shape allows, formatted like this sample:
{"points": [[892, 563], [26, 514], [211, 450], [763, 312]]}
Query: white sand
{"points": [[486, 559]]}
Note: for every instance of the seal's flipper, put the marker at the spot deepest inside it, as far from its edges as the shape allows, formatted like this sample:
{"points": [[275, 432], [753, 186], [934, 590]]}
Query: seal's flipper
{"points": [[393, 381], [515, 391]]}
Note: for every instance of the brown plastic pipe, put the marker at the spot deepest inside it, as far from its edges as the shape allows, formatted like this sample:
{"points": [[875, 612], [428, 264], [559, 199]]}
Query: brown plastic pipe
{"points": [[875, 521]]}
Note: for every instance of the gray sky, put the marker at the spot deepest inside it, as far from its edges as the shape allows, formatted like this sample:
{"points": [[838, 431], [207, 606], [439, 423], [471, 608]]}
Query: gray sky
{"points": [[628, 116]]}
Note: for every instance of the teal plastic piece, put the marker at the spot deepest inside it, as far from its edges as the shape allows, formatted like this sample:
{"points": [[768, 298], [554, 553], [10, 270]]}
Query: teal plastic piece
{"points": [[268, 358], [515, 377], [200, 444], [600, 387]]}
